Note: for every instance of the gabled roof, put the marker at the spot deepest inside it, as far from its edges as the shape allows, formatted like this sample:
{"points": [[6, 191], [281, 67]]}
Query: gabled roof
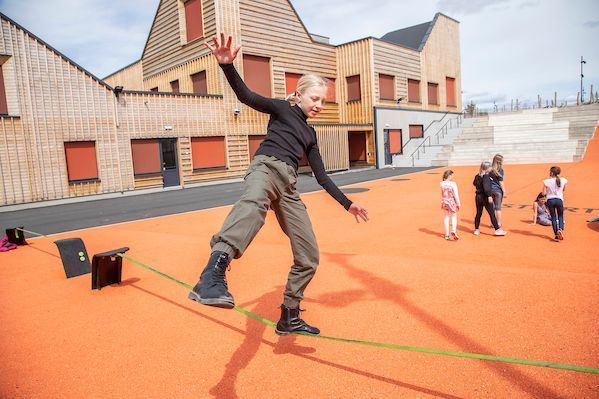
{"points": [[61, 55], [413, 37], [310, 36], [410, 37]]}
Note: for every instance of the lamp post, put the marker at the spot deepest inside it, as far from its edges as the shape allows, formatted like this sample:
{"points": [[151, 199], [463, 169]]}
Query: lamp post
{"points": [[582, 62]]}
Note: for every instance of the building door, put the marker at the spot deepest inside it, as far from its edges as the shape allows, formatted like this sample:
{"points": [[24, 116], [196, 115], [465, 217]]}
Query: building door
{"points": [[170, 168], [393, 144], [357, 147], [388, 158]]}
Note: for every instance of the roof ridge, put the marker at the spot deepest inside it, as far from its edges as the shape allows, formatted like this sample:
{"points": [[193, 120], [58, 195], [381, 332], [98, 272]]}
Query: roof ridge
{"points": [[91, 75]]}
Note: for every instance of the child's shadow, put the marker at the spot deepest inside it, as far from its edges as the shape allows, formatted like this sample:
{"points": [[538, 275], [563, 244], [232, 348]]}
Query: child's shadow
{"points": [[431, 232], [440, 234], [530, 233], [465, 229]]}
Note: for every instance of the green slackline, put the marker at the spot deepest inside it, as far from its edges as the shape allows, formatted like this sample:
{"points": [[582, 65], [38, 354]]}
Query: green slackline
{"points": [[254, 316], [536, 363]]}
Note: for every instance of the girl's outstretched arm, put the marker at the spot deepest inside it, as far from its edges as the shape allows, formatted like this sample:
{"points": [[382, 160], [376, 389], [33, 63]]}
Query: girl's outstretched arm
{"points": [[315, 161], [225, 56]]}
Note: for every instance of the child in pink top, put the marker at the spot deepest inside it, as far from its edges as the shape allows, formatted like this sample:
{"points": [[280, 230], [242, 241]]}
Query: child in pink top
{"points": [[450, 203]]}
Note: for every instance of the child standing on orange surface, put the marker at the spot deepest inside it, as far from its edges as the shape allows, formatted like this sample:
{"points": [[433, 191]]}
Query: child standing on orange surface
{"points": [[450, 203]]}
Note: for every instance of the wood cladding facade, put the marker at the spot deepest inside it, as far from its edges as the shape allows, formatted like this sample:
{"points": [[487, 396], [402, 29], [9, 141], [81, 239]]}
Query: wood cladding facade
{"points": [[51, 100], [130, 77], [440, 60]]}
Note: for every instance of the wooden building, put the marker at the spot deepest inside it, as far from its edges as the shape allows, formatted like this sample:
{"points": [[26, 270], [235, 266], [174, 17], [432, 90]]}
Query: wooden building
{"points": [[170, 118]]}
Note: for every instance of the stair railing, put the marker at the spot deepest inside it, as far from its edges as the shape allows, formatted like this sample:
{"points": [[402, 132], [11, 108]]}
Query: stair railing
{"points": [[441, 133]]}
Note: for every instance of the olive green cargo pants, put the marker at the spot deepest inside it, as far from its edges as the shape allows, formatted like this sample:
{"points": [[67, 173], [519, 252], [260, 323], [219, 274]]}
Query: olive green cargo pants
{"points": [[270, 183]]}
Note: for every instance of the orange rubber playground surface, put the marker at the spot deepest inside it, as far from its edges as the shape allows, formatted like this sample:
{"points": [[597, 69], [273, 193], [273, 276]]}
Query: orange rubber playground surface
{"points": [[392, 280]]}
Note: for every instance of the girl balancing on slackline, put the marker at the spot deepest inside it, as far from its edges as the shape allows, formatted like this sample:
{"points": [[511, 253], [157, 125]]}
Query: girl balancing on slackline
{"points": [[270, 183]]}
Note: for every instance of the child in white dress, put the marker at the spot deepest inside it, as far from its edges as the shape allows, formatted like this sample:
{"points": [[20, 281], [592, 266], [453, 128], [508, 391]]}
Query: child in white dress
{"points": [[450, 203]]}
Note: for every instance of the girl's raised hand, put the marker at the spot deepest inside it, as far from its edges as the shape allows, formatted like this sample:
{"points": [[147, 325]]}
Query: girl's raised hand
{"points": [[222, 52], [358, 210]]}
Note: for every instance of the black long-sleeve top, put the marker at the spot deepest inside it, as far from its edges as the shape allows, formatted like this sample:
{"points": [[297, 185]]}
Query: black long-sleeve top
{"points": [[483, 185], [289, 136]]}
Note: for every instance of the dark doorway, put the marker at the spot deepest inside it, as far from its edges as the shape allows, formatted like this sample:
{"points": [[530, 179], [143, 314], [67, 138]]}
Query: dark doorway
{"points": [[357, 147], [170, 168]]}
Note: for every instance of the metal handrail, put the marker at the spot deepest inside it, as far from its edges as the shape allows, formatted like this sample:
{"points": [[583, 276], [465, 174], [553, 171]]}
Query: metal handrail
{"points": [[442, 130], [425, 130]]}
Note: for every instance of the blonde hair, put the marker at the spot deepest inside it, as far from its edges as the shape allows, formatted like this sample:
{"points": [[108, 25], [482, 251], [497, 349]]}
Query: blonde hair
{"points": [[305, 82], [497, 163], [484, 166]]}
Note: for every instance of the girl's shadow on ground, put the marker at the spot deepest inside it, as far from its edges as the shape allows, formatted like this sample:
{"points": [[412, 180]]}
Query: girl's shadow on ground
{"points": [[531, 234]]}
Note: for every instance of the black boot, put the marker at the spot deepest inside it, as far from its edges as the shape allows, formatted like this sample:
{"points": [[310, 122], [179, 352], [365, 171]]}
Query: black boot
{"points": [[212, 288], [290, 322]]}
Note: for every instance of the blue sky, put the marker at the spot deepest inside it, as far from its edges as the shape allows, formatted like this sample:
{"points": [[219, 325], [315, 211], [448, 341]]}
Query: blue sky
{"points": [[510, 48]]}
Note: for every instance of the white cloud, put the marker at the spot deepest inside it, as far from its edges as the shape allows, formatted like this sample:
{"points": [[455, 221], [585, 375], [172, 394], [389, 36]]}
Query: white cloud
{"points": [[467, 7], [101, 36], [510, 48]]}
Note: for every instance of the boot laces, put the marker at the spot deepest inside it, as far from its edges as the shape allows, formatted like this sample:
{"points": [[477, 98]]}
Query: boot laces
{"points": [[219, 275]]}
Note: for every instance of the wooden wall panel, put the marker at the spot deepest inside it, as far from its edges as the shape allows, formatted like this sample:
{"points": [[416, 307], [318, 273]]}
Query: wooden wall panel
{"points": [[333, 142], [272, 29], [58, 102], [355, 58], [130, 77], [10, 85], [165, 48], [183, 74], [403, 63], [150, 115], [15, 184], [441, 59]]}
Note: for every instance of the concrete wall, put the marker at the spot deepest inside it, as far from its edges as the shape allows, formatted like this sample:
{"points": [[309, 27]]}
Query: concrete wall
{"points": [[388, 118]]}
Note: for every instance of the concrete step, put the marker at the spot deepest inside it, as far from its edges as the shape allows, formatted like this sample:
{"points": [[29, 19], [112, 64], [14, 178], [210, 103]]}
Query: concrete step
{"points": [[521, 120], [526, 136], [489, 156]]}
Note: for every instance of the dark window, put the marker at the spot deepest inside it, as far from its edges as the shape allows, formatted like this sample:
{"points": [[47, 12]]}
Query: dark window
{"points": [[331, 91], [146, 156], [416, 131], [357, 146], [200, 84], [81, 160], [3, 102], [154, 89], [413, 91], [208, 152], [291, 80], [193, 19], [256, 74], [450, 91], [353, 88], [432, 94], [175, 86], [386, 87]]}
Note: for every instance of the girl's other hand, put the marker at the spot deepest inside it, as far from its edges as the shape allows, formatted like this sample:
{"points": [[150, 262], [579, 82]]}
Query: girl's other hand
{"points": [[358, 210], [222, 51]]}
